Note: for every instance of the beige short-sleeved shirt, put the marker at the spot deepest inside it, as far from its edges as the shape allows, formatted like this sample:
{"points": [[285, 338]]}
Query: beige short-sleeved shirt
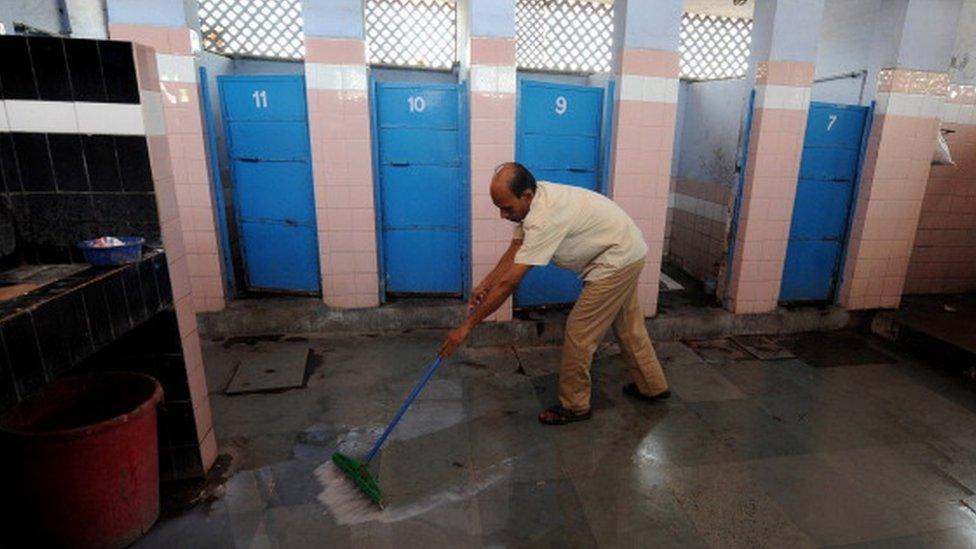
{"points": [[579, 230]]}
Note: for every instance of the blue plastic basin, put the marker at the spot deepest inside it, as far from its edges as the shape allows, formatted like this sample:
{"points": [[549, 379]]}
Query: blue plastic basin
{"points": [[128, 252]]}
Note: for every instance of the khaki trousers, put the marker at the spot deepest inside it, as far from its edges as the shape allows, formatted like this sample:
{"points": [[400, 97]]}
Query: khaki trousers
{"points": [[610, 301]]}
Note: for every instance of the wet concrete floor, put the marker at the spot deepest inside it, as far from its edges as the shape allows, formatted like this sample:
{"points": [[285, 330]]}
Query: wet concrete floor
{"points": [[875, 451]]}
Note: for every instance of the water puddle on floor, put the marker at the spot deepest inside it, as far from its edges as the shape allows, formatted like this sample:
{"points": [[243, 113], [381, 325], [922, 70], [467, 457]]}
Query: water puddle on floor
{"points": [[349, 506]]}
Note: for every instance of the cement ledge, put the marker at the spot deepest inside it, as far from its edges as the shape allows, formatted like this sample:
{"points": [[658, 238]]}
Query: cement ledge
{"points": [[296, 315], [308, 315], [696, 323]]}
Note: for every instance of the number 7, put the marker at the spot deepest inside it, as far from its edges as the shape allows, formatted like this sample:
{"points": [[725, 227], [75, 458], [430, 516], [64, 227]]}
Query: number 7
{"points": [[833, 118]]}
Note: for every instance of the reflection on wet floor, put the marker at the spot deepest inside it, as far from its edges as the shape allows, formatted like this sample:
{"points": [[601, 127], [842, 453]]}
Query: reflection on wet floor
{"points": [[746, 453]]}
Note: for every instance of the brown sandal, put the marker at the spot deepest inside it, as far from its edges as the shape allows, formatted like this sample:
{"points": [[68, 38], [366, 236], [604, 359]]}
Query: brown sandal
{"points": [[562, 416]]}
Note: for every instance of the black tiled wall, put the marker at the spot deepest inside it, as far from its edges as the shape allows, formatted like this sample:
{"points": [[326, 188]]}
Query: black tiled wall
{"points": [[58, 69], [8, 239], [61, 188]]}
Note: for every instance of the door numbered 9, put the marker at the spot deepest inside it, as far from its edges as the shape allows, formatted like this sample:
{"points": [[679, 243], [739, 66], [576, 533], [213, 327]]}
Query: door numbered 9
{"points": [[562, 105]]}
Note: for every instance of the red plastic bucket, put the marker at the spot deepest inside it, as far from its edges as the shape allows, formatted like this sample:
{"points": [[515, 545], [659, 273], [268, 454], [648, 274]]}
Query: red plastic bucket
{"points": [[83, 458]]}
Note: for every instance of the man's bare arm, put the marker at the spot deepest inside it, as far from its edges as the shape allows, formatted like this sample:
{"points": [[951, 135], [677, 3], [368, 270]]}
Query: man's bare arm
{"points": [[503, 288], [504, 263]]}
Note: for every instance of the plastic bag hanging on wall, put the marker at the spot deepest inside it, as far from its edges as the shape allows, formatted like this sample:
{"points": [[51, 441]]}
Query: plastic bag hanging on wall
{"points": [[942, 156]]}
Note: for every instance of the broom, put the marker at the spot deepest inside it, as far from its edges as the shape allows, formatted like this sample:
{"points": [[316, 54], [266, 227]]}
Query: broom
{"points": [[358, 471]]}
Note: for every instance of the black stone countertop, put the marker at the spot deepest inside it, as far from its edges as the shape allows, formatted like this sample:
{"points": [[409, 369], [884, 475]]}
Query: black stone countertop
{"points": [[47, 331]]}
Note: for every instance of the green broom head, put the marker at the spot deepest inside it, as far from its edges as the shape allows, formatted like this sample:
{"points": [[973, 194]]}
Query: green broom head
{"points": [[359, 474]]}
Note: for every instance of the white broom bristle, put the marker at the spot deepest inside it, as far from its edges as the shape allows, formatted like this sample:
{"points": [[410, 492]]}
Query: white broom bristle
{"points": [[347, 503]]}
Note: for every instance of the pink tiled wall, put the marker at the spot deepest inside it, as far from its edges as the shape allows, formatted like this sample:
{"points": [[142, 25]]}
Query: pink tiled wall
{"points": [[772, 167], [165, 187], [698, 235], [895, 174], [643, 145], [181, 109], [492, 142], [339, 125], [943, 258]]}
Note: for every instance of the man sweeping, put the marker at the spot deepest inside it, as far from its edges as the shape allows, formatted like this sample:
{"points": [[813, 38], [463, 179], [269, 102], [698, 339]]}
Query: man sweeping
{"points": [[587, 233]]}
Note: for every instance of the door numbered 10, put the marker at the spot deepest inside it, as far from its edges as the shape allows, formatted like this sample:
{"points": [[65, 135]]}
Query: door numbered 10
{"points": [[417, 103]]}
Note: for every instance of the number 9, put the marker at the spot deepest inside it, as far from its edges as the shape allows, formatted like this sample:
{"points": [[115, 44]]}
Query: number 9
{"points": [[561, 105]]}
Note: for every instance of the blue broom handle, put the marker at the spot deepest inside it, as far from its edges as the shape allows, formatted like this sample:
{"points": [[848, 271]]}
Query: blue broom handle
{"points": [[403, 409]]}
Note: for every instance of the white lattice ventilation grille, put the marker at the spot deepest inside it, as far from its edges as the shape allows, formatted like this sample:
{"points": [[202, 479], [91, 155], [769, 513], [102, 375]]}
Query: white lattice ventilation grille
{"points": [[564, 35], [714, 47], [412, 33], [258, 28]]}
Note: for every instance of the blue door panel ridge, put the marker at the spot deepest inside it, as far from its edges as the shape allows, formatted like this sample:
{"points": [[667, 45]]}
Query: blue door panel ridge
{"points": [[270, 141], [422, 261], [412, 192], [417, 146], [563, 152], [274, 247], [289, 201]]}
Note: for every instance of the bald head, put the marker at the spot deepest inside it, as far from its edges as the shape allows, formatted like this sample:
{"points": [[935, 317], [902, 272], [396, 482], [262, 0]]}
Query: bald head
{"points": [[512, 189], [514, 177]]}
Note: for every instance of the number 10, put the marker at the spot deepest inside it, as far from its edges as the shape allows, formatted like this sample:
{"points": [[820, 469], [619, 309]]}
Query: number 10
{"points": [[417, 103]]}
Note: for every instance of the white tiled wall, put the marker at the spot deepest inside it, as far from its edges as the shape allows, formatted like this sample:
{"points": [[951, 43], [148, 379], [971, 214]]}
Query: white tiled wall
{"points": [[648, 88], [322, 76], [909, 104], [492, 79], [81, 117]]}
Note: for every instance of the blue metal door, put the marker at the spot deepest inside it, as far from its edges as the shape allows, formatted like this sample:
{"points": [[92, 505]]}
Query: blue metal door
{"points": [[559, 141], [266, 128], [828, 173], [422, 189]]}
